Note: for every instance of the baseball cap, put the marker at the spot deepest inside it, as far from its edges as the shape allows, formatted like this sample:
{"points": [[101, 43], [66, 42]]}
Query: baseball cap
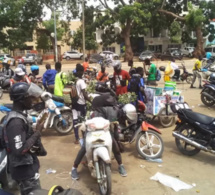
{"points": [[19, 72]]}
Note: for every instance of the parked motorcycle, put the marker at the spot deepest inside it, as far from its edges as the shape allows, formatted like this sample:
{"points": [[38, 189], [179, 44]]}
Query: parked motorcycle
{"points": [[208, 91], [194, 131], [98, 151], [149, 143]]}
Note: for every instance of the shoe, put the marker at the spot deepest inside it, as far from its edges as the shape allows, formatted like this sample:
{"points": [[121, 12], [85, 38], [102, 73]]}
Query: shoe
{"points": [[76, 141], [192, 86], [200, 87], [122, 171], [74, 174]]}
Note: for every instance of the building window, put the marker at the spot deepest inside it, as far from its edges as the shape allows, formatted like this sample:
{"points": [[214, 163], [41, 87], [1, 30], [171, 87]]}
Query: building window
{"points": [[113, 49]]}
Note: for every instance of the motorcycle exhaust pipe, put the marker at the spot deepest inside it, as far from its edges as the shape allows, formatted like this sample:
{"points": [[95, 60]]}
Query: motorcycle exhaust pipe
{"points": [[208, 96], [193, 143]]}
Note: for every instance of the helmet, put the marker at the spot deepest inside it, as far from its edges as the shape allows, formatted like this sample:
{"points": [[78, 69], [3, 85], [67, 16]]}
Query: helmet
{"points": [[117, 64], [212, 78], [19, 91], [21, 61], [34, 67], [6, 61], [130, 112]]}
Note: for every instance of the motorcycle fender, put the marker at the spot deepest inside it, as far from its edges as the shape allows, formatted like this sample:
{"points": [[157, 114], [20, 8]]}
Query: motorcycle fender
{"points": [[51, 119], [65, 108], [208, 86], [146, 126], [101, 152]]}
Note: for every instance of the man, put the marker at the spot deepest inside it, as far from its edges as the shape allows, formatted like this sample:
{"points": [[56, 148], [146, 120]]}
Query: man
{"points": [[176, 69], [121, 78], [22, 143], [196, 69], [60, 80], [208, 55], [86, 64], [79, 108], [19, 76], [49, 78], [102, 75], [132, 69], [151, 79], [7, 70], [34, 73], [111, 114], [21, 65]]}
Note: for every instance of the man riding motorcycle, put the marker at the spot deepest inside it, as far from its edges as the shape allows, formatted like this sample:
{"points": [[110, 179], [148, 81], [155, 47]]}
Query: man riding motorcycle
{"points": [[19, 76], [21, 65], [34, 73], [6, 68]]}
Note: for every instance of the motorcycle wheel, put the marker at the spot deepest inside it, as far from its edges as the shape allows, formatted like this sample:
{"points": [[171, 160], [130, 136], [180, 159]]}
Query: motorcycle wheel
{"points": [[205, 100], [184, 147], [1, 93], [149, 144], [105, 172], [166, 120], [59, 126], [189, 79]]}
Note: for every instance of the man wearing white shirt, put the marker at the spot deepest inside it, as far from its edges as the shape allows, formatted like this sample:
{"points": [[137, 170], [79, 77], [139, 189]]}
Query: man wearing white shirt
{"points": [[176, 69]]}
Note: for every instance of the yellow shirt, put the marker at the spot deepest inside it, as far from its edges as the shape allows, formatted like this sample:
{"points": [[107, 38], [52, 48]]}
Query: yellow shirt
{"points": [[199, 65], [60, 81]]}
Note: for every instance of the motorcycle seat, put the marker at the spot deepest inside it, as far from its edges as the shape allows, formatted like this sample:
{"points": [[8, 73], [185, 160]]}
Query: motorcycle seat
{"points": [[57, 99], [201, 118], [10, 106]]}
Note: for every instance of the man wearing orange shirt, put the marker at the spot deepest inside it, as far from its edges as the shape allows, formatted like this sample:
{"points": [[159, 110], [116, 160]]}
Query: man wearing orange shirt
{"points": [[86, 64], [102, 75]]}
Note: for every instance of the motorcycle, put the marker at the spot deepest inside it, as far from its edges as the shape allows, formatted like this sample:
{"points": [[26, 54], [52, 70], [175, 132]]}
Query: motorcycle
{"points": [[194, 131], [4, 83], [98, 145], [208, 93], [149, 143]]}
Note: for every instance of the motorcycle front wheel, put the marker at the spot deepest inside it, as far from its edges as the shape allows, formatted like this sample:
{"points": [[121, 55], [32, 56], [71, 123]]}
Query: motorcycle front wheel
{"points": [[149, 144], [184, 147], [105, 184], [205, 100], [189, 79], [166, 120], [58, 125]]}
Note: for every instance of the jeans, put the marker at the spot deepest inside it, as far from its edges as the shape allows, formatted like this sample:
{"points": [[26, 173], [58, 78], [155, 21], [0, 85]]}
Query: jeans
{"points": [[196, 74]]}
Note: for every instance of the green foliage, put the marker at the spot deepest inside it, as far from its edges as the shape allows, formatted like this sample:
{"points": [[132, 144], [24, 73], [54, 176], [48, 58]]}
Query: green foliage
{"points": [[43, 42], [91, 87], [175, 32], [71, 77], [127, 98]]}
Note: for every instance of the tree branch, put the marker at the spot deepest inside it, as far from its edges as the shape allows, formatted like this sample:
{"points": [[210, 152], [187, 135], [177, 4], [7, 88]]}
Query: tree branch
{"points": [[163, 4], [105, 5], [172, 14], [123, 2]]}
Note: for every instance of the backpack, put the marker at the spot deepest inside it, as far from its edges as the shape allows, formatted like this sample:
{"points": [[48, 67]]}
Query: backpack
{"points": [[133, 85], [158, 75]]}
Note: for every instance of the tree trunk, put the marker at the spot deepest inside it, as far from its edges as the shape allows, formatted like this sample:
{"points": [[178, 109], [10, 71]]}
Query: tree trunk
{"points": [[126, 35], [199, 50]]}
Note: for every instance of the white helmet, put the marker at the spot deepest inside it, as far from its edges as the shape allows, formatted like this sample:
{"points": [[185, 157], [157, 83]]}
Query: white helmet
{"points": [[130, 112], [117, 64]]}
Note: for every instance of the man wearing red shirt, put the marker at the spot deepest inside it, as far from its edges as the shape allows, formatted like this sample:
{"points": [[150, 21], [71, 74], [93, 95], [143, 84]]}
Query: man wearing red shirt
{"points": [[86, 64], [121, 78]]}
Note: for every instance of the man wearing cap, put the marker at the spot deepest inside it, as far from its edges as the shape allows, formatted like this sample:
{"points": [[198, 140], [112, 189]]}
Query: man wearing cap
{"points": [[19, 76]]}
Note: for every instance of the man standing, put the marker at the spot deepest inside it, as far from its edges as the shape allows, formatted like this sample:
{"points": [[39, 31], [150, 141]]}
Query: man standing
{"points": [[49, 78], [60, 80], [151, 79], [102, 75], [196, 69], [86, 64], [21, 140], [121, 78]]}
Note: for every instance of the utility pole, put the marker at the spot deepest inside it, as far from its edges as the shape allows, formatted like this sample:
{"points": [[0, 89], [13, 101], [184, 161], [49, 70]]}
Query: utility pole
{"points": [[83, 29], [55, 32]]}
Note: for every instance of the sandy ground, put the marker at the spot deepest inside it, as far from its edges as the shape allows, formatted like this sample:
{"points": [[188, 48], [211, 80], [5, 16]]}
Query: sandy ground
{"points": [[198, 169]]}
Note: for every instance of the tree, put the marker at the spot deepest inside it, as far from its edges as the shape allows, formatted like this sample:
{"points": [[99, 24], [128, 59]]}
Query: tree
{"points": [[133, 19], [197, 19]]}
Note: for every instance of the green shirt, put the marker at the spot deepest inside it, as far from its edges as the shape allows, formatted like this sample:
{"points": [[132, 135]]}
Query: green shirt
{"points": [[152, 73], [60, 81]]}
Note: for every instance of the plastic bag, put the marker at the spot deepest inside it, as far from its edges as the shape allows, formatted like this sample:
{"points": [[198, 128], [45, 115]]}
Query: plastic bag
{"points": [[171, 182], [169, 70]]}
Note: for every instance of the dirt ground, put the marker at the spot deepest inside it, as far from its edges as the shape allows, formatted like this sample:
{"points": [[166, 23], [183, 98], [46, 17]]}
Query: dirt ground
{"points": [[197, 170]]}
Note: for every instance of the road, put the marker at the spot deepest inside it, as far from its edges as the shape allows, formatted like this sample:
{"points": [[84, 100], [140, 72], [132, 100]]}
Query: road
{"points": [[197, 169]]}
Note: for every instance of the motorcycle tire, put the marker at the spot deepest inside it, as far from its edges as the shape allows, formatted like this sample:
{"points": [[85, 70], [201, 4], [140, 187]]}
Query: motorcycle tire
{"points": [[166, 120], [184, 149], [206, 101], [142, 140], [67, 115], [189, 79], [105, 171], [1, 93]]}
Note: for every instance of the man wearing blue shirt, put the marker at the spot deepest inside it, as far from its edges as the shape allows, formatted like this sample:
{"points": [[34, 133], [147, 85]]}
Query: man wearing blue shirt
{"points": [[208, 55], [49, 78]]}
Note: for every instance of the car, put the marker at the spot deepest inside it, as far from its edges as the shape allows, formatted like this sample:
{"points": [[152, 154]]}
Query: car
{"points": [[95, 58], [188, 51], [73, 55], [33, 58], [4, 56], [105, 54], [168, 55], [146, 54]]}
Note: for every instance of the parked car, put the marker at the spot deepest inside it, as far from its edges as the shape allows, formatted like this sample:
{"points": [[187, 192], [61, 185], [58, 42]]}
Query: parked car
{"points": [[104, 54], [187, 51], [4, 56], [94, 58], [211, 49], [73, 55], [168, 55], [146, 54], [33, 58]]}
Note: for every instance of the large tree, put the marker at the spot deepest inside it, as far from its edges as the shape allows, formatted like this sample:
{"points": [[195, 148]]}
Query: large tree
{"points": [[133, 18]]}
